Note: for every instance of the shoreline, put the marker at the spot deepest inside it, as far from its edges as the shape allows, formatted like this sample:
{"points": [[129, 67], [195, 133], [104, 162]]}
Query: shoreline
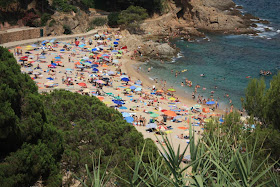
{"points": [[129, 64]]}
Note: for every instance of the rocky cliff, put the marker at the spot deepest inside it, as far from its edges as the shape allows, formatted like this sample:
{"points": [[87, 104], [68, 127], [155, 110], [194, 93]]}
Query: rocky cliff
{"points": [[190, 15]]}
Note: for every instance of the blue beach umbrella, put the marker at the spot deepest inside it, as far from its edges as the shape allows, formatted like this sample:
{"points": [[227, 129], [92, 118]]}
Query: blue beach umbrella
{"points": [[210, 102], [34, 45], [95, 69], [221, 120], [116, 43], [129, 119], [57, 57], [94, 65], [54, 64], [94, 49], [50, 78], [125, 114], [125, 79], [42, 57], [118, 102], [69, 69], [132, 87], [123, 107]]}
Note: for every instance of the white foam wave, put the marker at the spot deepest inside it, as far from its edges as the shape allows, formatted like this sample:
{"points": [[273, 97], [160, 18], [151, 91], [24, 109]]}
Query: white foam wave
{"points": [[265, 31]]}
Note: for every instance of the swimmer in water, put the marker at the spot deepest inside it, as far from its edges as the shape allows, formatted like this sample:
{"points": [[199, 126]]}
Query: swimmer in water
{"points": [[202, 75], [182, 83]]}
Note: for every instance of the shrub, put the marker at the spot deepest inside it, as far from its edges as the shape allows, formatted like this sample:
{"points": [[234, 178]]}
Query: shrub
{"points": [[45, 18], [113, 19], [63, 5], [99, 21], [67, 29]]}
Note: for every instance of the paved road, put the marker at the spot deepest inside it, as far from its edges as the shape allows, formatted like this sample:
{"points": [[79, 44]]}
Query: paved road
{"points": [[58, 38]]}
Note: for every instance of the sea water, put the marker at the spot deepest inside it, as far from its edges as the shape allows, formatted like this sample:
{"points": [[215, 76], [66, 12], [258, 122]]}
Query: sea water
{"points": [[228, 61]]}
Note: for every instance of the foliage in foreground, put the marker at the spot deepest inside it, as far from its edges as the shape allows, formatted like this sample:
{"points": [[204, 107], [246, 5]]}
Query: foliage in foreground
{"points": [[31, 147], [216, 160], [43, 136]]}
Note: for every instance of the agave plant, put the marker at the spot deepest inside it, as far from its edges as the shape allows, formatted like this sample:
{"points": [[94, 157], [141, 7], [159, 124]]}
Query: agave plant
{"points": [[95, 178]]}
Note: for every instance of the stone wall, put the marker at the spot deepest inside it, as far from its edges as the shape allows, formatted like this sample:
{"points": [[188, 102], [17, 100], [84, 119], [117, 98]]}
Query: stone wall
{"points": [[19, 34]]}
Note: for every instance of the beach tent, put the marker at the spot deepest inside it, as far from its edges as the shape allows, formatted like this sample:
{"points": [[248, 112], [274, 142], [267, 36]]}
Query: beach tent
{"points": [[154, 115]]}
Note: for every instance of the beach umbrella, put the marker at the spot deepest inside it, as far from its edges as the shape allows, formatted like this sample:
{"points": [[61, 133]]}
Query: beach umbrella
{"points": [[118, 55], [100, 98], [172, 98], [171, 90], [154, 115], [123, 76], [118, 102], [114, 51], [50, 78], [95, 69], [129, 119], [116, 43], [118, 98], [160, 91], [123, 107], [109, 93], [128, 89], [94, 65], [51, 66], [125, 114], [18, 47], [107, 102], [125, 79], [54, 64], [92, 75], [170, 113], [85, 58], [138, 89], [111, 73], [69, 69], [115, 61], [57, 57], [96, 35], [87, 63], [49, 83], [42, 57], [151, 125], [101, 82], [82, 84], [210, 102], [132, 87], [197, 106]]}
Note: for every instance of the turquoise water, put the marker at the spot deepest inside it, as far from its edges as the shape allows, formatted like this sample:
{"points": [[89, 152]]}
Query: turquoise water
{"points": [[226, 61]]}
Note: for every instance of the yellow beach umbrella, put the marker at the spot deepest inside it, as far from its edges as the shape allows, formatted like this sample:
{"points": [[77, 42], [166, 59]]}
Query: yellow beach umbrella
{"points": [[172, 98]]}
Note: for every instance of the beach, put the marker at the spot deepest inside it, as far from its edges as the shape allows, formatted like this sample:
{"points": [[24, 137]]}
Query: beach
{"points": [[111, 76]]}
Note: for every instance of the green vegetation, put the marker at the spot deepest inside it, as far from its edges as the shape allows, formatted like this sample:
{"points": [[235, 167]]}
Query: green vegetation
{"points": [[63, 5], [113, 19], [30, 146], [44, 18], [262, 104], [218, 159], [100, 21], [132, 17], [47, 135], [152, 6]]}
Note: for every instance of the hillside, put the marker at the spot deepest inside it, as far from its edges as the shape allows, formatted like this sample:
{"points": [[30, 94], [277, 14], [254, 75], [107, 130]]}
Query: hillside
{"points": [[77, 16]]}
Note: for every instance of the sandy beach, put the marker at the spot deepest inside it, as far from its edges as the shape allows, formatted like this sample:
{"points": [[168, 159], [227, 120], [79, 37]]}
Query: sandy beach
{"points": [[99, 70]]}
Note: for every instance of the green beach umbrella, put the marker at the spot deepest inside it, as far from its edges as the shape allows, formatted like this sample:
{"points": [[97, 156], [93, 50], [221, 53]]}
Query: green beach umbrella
{"points": [[171, 90], [110, 93], [154, 115], [118, 98]]}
